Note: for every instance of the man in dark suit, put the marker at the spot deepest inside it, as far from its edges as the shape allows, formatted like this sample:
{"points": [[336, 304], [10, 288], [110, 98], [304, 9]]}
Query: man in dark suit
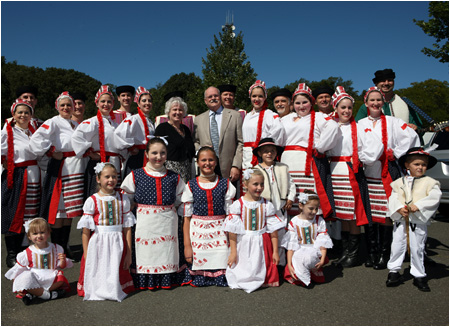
{"points": [[221, 129]]}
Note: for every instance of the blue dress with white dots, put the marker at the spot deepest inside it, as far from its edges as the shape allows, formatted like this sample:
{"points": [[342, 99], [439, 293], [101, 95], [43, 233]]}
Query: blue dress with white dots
{"points": [[156, 252]]}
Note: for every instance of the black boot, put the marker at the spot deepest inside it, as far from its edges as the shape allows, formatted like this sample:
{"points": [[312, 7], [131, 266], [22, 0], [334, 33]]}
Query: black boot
{"points": [[352, 253], [13, 246], [385, 245], [65, 236], [56, 235], [344, 247], [336, 250], [371, 234]]}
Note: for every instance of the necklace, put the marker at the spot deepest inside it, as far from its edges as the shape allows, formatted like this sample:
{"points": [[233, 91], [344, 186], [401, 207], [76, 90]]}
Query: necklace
{"points": [[106, 194], [179, 130]]}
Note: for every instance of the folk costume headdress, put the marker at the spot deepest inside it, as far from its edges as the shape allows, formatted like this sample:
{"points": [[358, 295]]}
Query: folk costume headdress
{"points": [[64, 95]]}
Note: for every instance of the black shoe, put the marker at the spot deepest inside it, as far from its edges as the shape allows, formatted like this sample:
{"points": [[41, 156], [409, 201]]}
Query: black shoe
{"points": [[57, 294], [28, 298], [394, 279], [421, 284]]}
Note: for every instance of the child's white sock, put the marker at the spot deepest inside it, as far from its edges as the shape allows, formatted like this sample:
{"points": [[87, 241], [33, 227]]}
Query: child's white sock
{"points": [[45, 295]]}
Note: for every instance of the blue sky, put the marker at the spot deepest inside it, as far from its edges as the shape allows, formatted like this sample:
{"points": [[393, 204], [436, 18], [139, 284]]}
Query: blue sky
{"points": [[144, 43]]}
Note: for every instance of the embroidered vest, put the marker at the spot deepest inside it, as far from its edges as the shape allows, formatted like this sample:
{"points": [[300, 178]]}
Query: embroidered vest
{"points": [[152, 190], [421, 188], [209, 202]]}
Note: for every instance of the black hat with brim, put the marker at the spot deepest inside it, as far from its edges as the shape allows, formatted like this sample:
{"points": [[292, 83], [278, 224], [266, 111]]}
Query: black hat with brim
{"points": [[281, 93], [267, 141], [322, 89], [26, 89], [173, 94], [125, 88], [79, 96], [417, 151], [227, 88], [382, 75]]}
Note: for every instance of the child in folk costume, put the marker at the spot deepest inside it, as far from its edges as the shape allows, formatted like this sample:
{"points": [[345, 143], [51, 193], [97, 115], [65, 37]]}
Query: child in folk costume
{"points": [[21, 179], [253, 252], [106, 238], [156, 192], [308, 137], [37, 272], [63, 186], [259, 123], [397, 138], [95, 138], [307, 242], [136, 130], [413, 201], [354, 148], [279, 187], [206, 201]]}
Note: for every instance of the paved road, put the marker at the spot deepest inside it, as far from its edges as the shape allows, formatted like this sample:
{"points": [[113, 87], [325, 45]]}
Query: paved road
{"points": [[354, 296]]}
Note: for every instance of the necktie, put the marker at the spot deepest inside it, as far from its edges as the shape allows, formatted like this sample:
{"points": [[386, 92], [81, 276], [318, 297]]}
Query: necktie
{"points": [[214, 133]]}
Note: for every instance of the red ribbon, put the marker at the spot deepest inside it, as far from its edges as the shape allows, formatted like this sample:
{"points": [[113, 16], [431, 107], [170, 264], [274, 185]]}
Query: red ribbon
{"points": [[101, 136]]}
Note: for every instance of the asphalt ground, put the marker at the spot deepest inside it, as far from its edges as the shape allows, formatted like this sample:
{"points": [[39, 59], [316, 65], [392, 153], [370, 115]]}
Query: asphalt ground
{"points": [[353, 296]]}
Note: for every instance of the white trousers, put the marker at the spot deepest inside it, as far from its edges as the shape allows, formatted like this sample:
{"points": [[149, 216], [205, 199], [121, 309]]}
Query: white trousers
{"points": [[417, 239]]}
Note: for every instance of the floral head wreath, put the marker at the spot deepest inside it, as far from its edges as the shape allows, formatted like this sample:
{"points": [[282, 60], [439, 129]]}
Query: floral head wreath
{"points": [[248, 174], [99, 167], [26, 225], [304, 197]]}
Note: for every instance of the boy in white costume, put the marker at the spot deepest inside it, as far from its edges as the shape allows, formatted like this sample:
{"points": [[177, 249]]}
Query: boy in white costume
{"points": [[414, 200]]}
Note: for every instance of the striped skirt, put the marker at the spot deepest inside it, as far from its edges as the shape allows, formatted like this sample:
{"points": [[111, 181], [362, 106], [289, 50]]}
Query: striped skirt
{"points": [[344, 199], [378, 199]]}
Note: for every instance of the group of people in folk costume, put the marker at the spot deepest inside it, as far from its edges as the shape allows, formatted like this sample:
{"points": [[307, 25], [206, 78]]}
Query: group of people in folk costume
{"points": [[147, 224]]}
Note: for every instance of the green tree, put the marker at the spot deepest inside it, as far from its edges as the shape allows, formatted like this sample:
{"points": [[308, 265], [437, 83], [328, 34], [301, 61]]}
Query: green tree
{"points": [[190, 84], [227, 63], [431, 96], [436, 27], [50, 83]]}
